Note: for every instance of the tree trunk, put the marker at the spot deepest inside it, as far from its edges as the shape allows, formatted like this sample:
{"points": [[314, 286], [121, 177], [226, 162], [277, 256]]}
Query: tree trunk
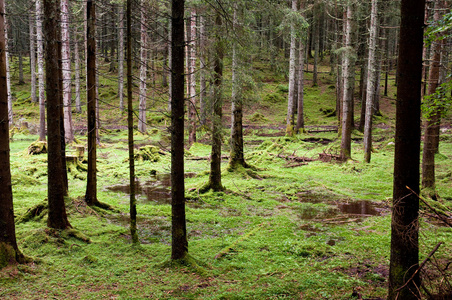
{"points": [[9, 252], [34, 98], [121, 57], [236, 155], [56, 187], [192, 88], [40, 46], [404, 258], [78, 102], [290, 126], [300, 111], [215, 162], [348, 74], [371, 81], [432, 124], [91, 186], [133, 203], [179, 248], [66, 64], [143, 71], [202, 76], [316, 38], [8, 74]]}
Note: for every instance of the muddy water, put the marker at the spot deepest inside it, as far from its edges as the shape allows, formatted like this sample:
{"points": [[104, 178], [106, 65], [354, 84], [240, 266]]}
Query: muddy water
{"points": [[314, 208], [156, 190]]}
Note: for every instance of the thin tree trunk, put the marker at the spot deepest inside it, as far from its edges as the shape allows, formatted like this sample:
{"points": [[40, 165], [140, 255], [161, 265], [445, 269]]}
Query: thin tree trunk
{"points": [[290, 126], [179, 247], [348, 73], [404, 259], [202, 76], [236, 154], [78, 103], [300, 112], [9, 252], [56, 187], [40, 46], [133, 203], [34, 98], [91, 186], [143, 71], [432, 124], [121, 57], [192, 88], [21, 68], [371, 81], [316, 39], [8, 74], [215, 163], [66, 64]]}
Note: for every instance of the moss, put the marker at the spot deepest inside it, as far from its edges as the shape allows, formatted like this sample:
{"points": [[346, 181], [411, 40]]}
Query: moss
{"points": [[7, 255], [189, 262], [273, 98], [258, 118], [148, 153], [89, 260], [37, 211], [38, 147]]}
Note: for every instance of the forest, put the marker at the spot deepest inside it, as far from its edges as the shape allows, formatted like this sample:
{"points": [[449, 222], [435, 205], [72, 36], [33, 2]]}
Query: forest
{"points": [[219, 149]]}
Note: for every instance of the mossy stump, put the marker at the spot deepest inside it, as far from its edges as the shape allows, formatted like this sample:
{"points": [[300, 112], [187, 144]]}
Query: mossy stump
{"points": [[38, 147]]}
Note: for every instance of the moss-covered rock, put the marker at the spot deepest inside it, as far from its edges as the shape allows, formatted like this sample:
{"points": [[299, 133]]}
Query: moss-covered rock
{"points": [[38, 147], [149, 152]]}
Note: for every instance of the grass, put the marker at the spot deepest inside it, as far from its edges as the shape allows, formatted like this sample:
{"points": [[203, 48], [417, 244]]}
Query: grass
{"points": [[275, 233]]}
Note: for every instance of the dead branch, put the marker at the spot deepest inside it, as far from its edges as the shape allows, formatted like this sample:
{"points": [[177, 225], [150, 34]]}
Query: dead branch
{"points": [[420, 267]]}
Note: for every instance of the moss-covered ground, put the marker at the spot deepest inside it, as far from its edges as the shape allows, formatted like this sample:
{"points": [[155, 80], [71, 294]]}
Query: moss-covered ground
{"points": [[278, 231]]}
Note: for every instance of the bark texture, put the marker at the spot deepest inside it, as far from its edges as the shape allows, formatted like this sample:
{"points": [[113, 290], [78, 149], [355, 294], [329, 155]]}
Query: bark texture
{"points": [[133, 204], [348, 73], [215, 162], [290, 123], [371, 81], [404, 258], [432, 124], [9, 252], [91, 185], [66, 69], [179, 248], [143, 71], [192, 117], [40, 56], [56, 186]]}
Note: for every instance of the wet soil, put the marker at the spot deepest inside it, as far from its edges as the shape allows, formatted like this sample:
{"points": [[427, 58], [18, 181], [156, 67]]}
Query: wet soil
{"points": [[156, 190]]}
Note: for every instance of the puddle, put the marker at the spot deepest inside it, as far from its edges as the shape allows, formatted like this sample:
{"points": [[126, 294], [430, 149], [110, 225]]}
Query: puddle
{"points": [[157, 190], [321, 208], [361, 208]]}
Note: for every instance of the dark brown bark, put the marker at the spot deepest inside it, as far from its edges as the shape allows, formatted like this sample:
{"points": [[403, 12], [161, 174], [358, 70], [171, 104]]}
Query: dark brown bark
{"points": [[179, 247], [236, 154], [91, 185], [404, 258], [215, 162], [9, 252], [133, 203], [56, 187]]}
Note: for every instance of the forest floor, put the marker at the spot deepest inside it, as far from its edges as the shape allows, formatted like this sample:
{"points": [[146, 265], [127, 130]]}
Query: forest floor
{"points": [[298, 225]]}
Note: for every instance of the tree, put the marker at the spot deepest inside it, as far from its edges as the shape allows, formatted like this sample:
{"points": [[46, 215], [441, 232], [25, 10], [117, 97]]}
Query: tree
{"points": [[292, 72], [40, 56], [8, 74], [133, 204], [91, 185], [300, 105], [215, 161], [432, 124], [179, 247], [121, 57], [56, 187], [192, 116], [143, 70], [404, 258], [348, 74], [9, 252], [31, 29], [371, 81], [66, 69], [236, 154]]}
